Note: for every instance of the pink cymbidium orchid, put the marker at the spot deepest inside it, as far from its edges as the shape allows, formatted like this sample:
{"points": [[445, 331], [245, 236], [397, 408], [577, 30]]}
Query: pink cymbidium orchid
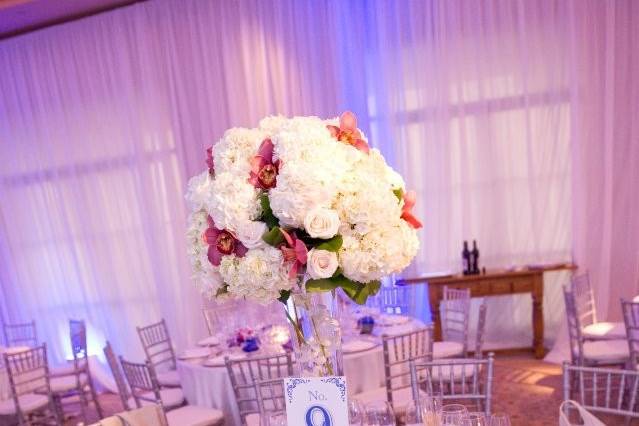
{"points": [[221, 243], [409, 202], [348, 132], [294, 251], [263, 169]]}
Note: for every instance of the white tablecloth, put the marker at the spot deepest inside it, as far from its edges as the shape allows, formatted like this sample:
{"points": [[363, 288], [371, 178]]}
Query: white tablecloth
{"points": [[211, 386]]}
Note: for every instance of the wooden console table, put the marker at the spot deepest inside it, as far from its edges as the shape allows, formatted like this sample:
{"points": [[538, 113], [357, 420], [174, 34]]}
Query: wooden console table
{"points": [[495, 283]]}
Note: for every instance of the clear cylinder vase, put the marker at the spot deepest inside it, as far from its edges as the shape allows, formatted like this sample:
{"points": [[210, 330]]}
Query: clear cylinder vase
{"points": [[317, 334]]}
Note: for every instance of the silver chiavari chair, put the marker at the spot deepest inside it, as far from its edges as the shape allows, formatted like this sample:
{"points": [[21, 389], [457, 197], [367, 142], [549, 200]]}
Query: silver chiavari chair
{"points": [[270, 399], [212, 321], [21, 334], [455, 313], [118, 376], [631, 319], [398, 350], [77, 381], [588, 352], [28, 373], [465, 380], [244, 373], [145, 390], [603, 390], [396, 300], [481, 329], [586, 310], [159, 351]]}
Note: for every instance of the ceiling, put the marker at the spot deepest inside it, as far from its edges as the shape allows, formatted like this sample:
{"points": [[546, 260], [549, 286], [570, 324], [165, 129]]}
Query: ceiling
{"points": [[20, 16]]}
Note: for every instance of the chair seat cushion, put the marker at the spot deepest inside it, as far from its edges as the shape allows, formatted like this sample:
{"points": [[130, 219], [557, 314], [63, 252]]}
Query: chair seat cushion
{"points": [[401, 397], [66, 383], [171, 398], [606, 350], [28, 402], [169, 378], [192, 415], [447, 349], [604, 330]]}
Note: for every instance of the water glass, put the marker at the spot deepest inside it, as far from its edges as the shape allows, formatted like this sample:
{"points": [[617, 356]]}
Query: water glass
{"points": [[380, 413], [355, 413], [454, 415], [426, 411], [476, 419], [500, 419]]}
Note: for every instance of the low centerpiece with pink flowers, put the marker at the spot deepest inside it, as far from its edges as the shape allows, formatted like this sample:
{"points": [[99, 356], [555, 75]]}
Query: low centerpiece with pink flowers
{"points": [[294, 211]]}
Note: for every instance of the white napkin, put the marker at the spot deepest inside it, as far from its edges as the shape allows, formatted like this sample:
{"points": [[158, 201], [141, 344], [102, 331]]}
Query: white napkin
{"points": [[218, 361], [195, 353], [209, 341]]}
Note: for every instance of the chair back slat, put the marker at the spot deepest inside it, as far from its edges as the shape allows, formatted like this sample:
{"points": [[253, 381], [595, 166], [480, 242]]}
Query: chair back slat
{"points": [[244, 373], [464, 380], [395, 300], [481, 328], [455, 312], [603, 390], [21, 334], [574, 328], [157, 345], [584, 299], [118, 376], [398, 350], [631, 319], [270, 395]]}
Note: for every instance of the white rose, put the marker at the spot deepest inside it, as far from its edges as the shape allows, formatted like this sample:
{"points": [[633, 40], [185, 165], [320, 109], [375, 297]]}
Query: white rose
{"points": [[321, 263], [322, 223], [250, 233]]}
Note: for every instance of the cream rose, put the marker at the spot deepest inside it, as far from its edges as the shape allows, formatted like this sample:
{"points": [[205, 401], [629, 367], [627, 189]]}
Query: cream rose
{"points": [[322, 223], [321, 263], [250, 233]]}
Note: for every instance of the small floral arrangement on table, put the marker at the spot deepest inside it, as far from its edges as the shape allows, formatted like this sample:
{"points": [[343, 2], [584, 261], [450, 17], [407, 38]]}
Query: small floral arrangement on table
{"points": [[298, 197], [299, 206]]}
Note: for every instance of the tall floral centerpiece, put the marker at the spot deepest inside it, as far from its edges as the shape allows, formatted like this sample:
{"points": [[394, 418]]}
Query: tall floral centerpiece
{"points": [[293, 209]]}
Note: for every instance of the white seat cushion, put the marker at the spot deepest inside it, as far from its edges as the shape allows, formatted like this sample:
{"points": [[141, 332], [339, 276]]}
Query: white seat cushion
{"points": [[401, 397], [28, 403], [606, 350], [66, 383], [169, 378], [604, 330], [192, 415], [447, 349], [171, 398]]}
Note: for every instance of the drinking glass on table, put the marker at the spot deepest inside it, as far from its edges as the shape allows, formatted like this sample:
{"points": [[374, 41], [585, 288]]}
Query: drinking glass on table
{"points": [[380, 413], [500, 419], [454, 415], [477, 419], [425, 411], [273, 418], [355, 413]]}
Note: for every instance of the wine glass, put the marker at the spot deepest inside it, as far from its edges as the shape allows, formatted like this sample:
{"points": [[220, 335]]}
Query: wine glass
{"points": [[355, 413], [425, 411], [476, 419], [500, 419], [380, 413], [454, 415]]}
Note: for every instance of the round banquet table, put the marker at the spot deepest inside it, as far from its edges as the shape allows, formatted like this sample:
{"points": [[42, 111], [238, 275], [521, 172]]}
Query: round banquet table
{"points": [[211, 386]]}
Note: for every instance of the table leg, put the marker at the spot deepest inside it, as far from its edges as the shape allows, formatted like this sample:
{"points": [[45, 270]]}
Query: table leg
{"points": [[538, 316], [434, 300]]}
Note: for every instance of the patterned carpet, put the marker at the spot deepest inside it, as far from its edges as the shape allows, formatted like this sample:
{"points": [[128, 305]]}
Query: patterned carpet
{"points": [[529, 390]]}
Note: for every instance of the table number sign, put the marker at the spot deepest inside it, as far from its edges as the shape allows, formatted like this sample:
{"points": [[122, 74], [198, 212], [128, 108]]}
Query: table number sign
{"points": [[316, 401]]}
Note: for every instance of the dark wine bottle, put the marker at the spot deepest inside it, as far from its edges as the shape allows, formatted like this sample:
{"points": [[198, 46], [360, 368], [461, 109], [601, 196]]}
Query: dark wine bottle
{"points": [[466, 259], [474, 254]]}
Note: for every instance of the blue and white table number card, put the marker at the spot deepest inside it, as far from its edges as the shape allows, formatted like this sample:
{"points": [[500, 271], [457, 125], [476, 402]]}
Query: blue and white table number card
{"points": [[316, 401]]}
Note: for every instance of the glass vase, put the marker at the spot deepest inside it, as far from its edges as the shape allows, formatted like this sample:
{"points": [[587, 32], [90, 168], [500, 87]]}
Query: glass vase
{"points": [[317, 334]]}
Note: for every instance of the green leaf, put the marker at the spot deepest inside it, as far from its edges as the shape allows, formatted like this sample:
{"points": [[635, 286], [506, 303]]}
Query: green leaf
{"points": [[222, 290], [373, 287], [399, 193], [267, 214], [284, 295], [334, 244], [321, 285], [274, 237]]}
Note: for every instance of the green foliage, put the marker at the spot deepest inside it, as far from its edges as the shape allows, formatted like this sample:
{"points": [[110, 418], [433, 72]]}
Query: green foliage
{"points": [[358, 292], [267, 214], [284, 295], [399, 193], [274, 237], [334, 244]]}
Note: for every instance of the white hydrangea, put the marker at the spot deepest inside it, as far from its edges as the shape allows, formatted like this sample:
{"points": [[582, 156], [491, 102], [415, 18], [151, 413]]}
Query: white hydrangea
{"points": [[315, 172], [259, 276]]}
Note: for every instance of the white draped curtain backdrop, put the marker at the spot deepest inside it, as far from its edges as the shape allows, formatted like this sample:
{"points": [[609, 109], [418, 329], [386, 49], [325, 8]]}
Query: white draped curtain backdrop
{"points": [[514, 121]]}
